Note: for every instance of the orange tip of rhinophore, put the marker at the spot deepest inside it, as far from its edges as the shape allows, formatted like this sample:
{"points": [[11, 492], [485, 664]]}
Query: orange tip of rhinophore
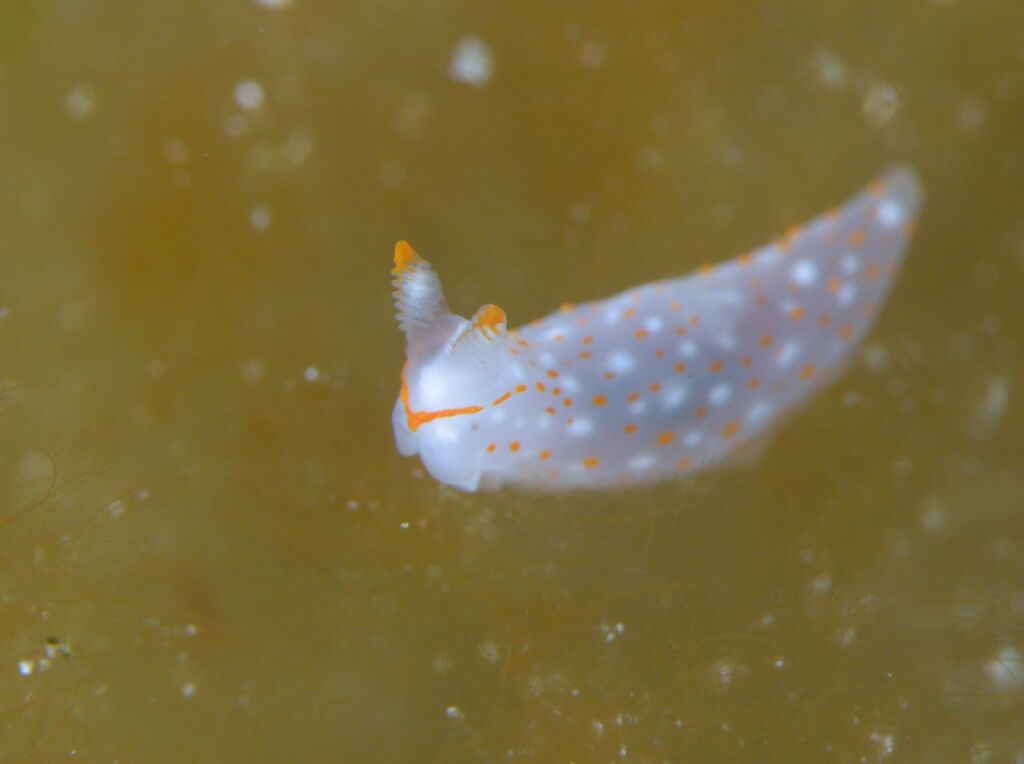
{"points": [[489, 318], [404, 257]]}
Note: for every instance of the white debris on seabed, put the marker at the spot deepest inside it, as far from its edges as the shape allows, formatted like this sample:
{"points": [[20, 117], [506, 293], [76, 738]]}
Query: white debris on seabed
{"points": [[821, 584], [971, 114], [260, 218], [267, 156], [54, 647], [249, 95], [116, 508], [188, 690], [992, 407], [611, 632], [80, 102], [412, 115], [277, 5], [175, 151], [886, 743], [454, 712], [235, 125], [1006, 669], [847, 636], [4, 312], [880, 104], [593, 54], [472, 62], [489, 651], [830, 69], [579, 213], [726, 672], [933, 517], [254, 370], [311, 374], [876, 357]]}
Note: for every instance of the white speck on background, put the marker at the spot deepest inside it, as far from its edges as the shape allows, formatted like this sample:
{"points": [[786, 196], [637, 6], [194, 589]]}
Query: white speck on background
{"points": [[971, 114], [992, 407], [26, 667], [1006, 669], [489, 651], [593, 54], [175, 150], [260, 218], [391, 173], [254, 370], [277, 5], [881, 102], [876, 357], [249, 95], [830, 69], [235, 125], [472, 62], [886, 743], [188, 690], [821, 584], [311, 374], [454, 712], [612, 632], [580, 213], [80, 102]]}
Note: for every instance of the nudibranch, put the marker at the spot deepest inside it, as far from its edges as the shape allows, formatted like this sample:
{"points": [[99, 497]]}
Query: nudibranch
{"points": [[664, 379]]}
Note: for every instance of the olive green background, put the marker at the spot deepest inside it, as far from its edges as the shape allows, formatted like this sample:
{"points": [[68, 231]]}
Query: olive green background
{"points": [[201, 506]]}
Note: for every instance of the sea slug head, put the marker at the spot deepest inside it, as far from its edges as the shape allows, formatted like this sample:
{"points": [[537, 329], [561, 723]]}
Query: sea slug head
{"points": [[455, 368]]}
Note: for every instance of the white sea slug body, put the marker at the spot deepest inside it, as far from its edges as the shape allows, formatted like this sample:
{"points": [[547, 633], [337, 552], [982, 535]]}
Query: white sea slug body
{"points": [[663, 379]]}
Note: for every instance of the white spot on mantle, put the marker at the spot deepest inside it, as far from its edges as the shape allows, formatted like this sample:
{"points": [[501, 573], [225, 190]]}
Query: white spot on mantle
{"points": [[621, 362], [804, 273], [890, 213]]}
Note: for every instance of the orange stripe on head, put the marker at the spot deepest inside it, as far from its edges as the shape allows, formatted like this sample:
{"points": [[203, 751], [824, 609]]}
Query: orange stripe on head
{"points": [[416, 419]]}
